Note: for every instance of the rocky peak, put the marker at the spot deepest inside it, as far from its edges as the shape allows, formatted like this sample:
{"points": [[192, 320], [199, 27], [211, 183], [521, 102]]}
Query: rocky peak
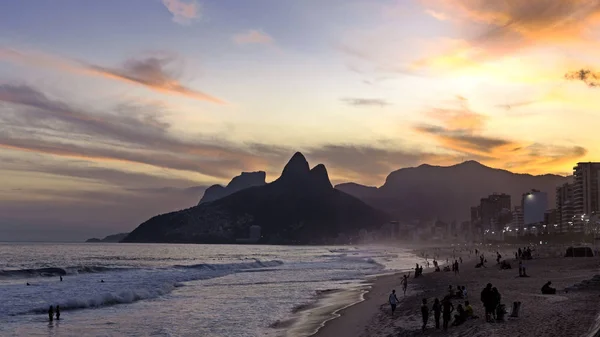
{"points": [[296, 167], [247, 179], [319, 177], [238, 183]]}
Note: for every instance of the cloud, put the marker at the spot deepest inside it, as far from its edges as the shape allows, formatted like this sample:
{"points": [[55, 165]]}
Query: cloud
{"points": [[437, 15], [462, 131], [129, 133], [464, 140], [360, 102], [252, 37], [506, 27], [184, 12], [154, 72], [589, 77]]}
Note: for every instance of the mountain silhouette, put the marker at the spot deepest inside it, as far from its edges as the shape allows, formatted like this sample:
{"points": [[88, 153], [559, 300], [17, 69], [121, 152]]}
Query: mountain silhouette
{"points": [[300, 207], [244, 180], [447, 193]]}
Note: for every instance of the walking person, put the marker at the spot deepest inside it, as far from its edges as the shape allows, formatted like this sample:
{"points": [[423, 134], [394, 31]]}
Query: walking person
{"points": [[425, 314], [393, 301], [437, 311], [404, 282]]}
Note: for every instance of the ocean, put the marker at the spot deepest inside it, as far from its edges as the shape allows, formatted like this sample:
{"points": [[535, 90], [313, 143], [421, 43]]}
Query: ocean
{"points": [[183, 290]]}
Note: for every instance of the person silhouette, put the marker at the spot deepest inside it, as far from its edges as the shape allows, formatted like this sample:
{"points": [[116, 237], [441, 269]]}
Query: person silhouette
{"points": [[50, 313]]}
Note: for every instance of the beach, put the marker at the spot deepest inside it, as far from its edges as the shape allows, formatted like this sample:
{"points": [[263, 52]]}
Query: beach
{"points": [[571, 312]]}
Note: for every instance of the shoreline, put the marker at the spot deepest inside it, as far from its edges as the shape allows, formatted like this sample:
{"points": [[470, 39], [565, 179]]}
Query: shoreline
{"points": [[572, 313]]}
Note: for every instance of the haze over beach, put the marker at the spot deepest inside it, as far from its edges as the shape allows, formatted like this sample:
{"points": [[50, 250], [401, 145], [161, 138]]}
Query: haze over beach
{"points": [[280, 164]]}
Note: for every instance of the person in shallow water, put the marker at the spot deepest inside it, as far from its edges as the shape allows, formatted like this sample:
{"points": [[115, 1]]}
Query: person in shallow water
{"points": [[57, 313], [50, 313], [393, 301]]}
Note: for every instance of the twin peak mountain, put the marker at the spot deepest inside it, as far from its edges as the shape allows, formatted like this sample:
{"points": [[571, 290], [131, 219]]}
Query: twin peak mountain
{"points": [[300, 207]]}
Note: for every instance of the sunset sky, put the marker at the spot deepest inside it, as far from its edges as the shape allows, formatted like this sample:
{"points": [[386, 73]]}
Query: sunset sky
{"points": [[113, 111]]}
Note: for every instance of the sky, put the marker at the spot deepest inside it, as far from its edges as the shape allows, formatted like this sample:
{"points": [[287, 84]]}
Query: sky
{"points": [[114, 111]]}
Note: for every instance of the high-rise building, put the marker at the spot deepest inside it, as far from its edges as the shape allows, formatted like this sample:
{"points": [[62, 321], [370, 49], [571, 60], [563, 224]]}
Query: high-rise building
{"points": [[517, 220], [534, 204], [564, 207], [550, 221], [491, 211], [586, 188]]}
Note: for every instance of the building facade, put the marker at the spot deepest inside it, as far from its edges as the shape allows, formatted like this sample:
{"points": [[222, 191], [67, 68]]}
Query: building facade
{"points": [[586, 188], [564, 207], [534, 204]]}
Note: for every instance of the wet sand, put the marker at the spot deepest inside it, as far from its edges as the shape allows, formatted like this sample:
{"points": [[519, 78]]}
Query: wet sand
{"points": [[568, 313]]}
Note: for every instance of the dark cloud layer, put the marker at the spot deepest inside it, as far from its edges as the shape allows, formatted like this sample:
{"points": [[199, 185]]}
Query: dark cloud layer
{"points": [[587, 76], [129, 133]]}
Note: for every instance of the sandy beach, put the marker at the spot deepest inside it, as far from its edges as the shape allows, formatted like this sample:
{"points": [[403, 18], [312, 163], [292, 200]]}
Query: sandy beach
{"points": [[571, 312]]}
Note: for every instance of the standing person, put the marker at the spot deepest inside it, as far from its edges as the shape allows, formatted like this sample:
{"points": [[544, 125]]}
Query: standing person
{"points": [[487, 297], [61, 279], [447, 309], [50, 313], [57, 312], [456, 272], [424, 313], [437, 311], [495, 301], [393, 301], [464, 292], [404, 282]]}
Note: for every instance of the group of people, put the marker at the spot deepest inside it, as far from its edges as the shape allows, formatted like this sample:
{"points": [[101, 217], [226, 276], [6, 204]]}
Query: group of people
{"points": [[444, 309], [523, 254], [491, 299], [418, 270], [52, 312], [460, 292]]}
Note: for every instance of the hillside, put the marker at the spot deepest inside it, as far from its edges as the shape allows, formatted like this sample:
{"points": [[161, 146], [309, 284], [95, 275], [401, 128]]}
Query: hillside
{"points": [[447, 193], [300, 207]]}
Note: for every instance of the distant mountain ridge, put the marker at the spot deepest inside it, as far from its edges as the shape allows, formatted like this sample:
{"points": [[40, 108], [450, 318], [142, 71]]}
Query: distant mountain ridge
{"points": [[300, 207], [448, 192], [109, 238], [244, 180]]}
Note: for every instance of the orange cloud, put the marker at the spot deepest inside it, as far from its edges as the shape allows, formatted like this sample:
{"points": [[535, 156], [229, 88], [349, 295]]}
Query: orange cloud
{"points": [[150, 72], [462, 130], [512, 25]]}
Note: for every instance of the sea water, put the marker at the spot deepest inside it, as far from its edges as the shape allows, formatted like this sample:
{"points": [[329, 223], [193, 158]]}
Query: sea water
{"points": [[179, 290]]}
